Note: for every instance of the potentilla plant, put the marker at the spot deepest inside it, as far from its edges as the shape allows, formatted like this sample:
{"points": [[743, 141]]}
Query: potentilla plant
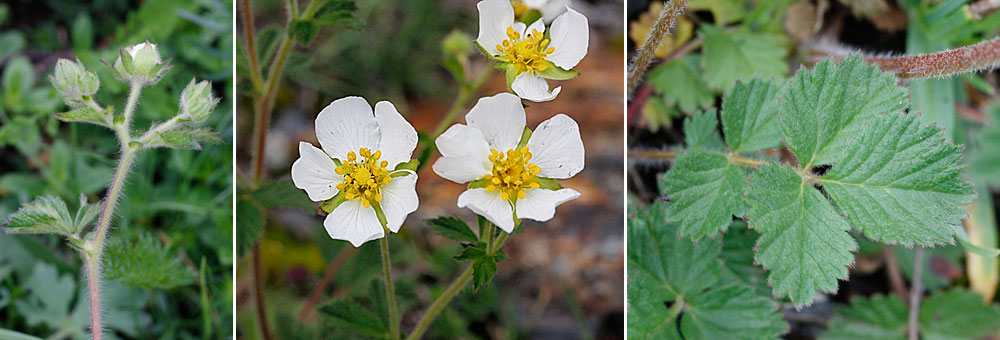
{"points": [[138, 66]]}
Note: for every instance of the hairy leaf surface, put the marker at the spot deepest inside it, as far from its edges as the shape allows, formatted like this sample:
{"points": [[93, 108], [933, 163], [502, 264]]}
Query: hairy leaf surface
{"points": [[804, 242], [704, 189], [700, 131], [822, 110], [679, 80], [739, 55], [750, 116], [899, 183]]}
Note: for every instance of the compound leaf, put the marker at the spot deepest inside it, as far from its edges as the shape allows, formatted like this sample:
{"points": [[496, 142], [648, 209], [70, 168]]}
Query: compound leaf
{"points": [[804, 242], [452, 228], [675, 292], [821, 111], [680, 83], [739, 55], [145, 262], [900, 182], [704, 190], [700, 131], [750, 116]]}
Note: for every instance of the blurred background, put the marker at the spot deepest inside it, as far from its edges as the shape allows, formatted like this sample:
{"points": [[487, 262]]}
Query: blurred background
{"points": [[794, 34], [565, 277], [181, 199]]}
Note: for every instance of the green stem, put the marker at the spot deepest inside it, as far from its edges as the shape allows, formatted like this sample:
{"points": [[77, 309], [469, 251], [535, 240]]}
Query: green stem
{"points": [[390, 290], [92, 254], [465, 92], [439, 304], [133, 100]]}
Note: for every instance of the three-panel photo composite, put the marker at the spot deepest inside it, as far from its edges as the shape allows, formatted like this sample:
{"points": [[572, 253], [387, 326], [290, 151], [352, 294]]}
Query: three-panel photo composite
{"points": [[499, 169]]}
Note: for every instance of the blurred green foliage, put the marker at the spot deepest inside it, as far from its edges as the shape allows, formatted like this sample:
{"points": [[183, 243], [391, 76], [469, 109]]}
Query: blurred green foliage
{"points": [[177, 203]]}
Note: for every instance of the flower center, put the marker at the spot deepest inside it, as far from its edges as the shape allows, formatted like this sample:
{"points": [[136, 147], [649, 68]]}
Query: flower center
{"points": [[528, 54], [512, 173], [363, 177]]}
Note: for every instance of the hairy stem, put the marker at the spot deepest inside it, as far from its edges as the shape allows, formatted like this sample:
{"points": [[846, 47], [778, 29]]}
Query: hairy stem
{"points": [[972, 58], [916, 290], [249, 37], [390, 289], [438, 305], [668, 17], [92, 255], [133, 100], [258, 294]]}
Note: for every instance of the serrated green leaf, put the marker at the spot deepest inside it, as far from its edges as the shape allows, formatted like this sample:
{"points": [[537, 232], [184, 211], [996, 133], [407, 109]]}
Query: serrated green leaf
{"points": [[303, 30], [46, 214], [737, 256], [85, 115], [750, 116], [804, 242], [672, 278], [351, 316], [700, 131], [679, 80], [739, 55], [821, 111], [899, 183], [49, 298], [483, 270], [452, 228], [705, 193], [183, 137], [145, 262], [949, 315]]}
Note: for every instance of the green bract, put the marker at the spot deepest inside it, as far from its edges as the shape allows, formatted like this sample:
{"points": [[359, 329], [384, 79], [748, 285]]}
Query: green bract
{"points": [[140, 64], [898, 184]]}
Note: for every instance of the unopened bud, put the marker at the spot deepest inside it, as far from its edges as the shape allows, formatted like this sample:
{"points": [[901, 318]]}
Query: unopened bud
{"points": [[196, 100], [141, 63], [457, 43], [74, 82]]}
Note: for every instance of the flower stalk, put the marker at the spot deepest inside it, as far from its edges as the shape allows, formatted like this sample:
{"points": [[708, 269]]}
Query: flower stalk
{"points": [[390, 290]]}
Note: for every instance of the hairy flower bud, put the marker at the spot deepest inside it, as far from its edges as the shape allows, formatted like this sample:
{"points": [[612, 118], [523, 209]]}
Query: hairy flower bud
{"points": [[457, 43], [140, 63], [74, 82], [196, 100]]}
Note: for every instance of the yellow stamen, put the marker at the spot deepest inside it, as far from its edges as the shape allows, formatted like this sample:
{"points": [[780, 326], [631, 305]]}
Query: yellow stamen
{"points": [[527, 54], [364, 176], [511, 173]]}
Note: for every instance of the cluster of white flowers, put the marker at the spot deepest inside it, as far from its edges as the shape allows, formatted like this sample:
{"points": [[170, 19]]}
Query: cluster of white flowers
{"points": [[361, 171]]}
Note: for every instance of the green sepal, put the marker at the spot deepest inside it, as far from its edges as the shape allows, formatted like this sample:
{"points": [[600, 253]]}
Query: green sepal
{"points": [[557, 73], [479, 183], [511, 71], [327, 206], [127, 64], [380, 214], [485, 52], [530, 17], [525, 136], [411, 165], [549, 183]]}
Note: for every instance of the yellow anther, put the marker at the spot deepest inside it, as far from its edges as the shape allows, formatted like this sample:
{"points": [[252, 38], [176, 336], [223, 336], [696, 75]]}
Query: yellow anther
{"points": [[351, 156], [505, 196], [535, 185], [363, 177], [495, 180], [378, 197], [377, 155], [339, 170], [520, 194], [340, 186], [365, 203], [491, 187], [386, 180], [349, 196]]}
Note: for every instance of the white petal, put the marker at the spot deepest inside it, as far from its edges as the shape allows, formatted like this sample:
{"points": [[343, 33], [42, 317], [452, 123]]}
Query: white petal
{"points": [[556, 147], [398, 138], [347, 124], [540, 204], [500, 118], [494, 18], [399, 198], [354, 223], [461, 169], [313, 172], [461, 140], [489, 205], [538, 25], [529, 86], [570, 35], [554, 9], [535, 4]]}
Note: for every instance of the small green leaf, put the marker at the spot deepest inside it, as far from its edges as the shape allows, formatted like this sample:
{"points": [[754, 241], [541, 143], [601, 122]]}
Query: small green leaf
{"points": [[823, 110], [700, 131], [303, 30], [804, 242], [679, 80], [145, 262], [452, 228], [730, 56], [351, 316], [86, 115], [949, 315], [182, 137], [47, 214], [18, 78], [705, 193], [900, 182], [750, 116], [484, 265]]}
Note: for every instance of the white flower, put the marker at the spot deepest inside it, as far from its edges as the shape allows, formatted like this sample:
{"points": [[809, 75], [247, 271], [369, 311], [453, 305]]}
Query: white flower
{"points": [[550, 9], [526, 54], [357, 169], [510, 179]]}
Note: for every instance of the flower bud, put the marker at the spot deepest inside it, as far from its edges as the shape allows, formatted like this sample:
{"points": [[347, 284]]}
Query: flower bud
{"points": [[197, 102], [457, 43], [74, 82], [141, 63]]}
